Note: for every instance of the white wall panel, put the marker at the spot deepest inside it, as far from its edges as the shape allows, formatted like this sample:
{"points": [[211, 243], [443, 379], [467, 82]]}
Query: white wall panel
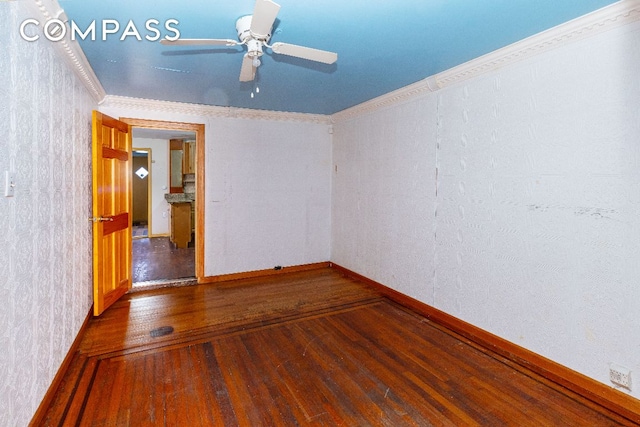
{"points": [[538, 247], [384, 196], [267, 190], [536, 219], [270, 195], [45, 261]]}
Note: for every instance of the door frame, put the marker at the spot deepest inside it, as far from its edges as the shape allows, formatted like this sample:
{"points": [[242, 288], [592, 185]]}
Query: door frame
{"points": [[199, 130]]}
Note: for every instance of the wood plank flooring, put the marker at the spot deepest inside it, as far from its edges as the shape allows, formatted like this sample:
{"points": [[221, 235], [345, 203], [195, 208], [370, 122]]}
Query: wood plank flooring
{"points": [[311, 348]]}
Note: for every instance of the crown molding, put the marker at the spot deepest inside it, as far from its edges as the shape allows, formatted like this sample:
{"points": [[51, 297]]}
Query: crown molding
{"points": [[69, 49], [113, 101], [618, 14]]}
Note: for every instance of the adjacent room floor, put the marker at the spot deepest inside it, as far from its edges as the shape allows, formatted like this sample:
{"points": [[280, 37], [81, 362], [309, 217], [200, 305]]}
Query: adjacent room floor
{"points": [[156, 259], [307, 348]]}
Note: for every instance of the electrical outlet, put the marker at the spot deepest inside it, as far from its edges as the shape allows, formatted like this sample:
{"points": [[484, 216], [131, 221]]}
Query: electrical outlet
{"points": [[620, 376]]}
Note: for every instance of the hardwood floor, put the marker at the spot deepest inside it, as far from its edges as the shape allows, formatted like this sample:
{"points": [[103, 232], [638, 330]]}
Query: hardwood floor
{"points": [[310, 348], [157, 259]]}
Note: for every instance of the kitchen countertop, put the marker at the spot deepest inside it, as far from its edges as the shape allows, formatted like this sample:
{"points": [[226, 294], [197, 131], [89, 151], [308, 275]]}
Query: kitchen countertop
{"points": [[179, 197]]}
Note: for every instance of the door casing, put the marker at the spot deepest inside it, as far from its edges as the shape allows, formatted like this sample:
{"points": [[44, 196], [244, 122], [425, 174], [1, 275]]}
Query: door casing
{"points": [[199, 130]]}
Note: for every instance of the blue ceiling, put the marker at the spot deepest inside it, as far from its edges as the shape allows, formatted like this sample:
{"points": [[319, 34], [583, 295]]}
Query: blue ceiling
{"points": [[381, 45]]}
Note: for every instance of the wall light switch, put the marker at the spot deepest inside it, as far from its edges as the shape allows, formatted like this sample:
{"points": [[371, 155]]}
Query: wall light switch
{"points": [[9, 184]]}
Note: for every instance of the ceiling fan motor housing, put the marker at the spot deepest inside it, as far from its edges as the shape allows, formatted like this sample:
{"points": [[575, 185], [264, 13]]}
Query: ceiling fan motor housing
{"points": [[243, 27]]}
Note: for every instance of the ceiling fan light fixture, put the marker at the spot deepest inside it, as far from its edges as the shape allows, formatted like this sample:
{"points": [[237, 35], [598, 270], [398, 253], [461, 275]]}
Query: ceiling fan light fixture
{"points": [[254, 31], [254, 48]]}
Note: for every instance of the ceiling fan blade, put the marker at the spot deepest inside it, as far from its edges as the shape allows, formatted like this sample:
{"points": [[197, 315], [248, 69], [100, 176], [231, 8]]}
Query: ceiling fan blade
{"points": [[264, 15], [198, 42], [248, 71], [305, 52]]}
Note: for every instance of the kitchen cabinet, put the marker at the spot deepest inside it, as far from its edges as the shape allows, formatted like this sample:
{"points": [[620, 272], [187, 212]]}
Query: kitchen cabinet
{"points": [[181, 224], [176, 161]]}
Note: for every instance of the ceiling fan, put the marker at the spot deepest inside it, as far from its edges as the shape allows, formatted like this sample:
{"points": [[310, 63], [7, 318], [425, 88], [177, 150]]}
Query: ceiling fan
{"points": [[254, 31]]}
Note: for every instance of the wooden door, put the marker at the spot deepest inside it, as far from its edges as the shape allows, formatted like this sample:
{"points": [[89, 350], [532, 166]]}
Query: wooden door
{"points": [[112, 202]]}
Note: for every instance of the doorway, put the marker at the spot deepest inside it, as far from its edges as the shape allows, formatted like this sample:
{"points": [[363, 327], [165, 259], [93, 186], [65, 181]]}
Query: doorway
{"points": [[157, 259]]}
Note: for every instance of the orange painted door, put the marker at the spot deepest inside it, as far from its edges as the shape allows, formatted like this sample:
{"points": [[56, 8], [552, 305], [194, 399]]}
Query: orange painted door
{"points": [[112, 202]]}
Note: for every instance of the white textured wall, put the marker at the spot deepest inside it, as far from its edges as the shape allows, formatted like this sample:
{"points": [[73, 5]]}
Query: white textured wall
{"points": [[267, 190], [45, 260], [159, 175], [384, 196], [537, 217], [268, 195]]}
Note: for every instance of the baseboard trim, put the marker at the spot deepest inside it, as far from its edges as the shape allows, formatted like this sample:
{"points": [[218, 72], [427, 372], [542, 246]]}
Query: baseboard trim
{"points": [[610, 398], [47, 400], [263, 273]]}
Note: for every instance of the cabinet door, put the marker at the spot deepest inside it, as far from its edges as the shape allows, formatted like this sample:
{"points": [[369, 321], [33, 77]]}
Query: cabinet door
{"points": [[181, 224], [189, 165], [176, 162]]}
